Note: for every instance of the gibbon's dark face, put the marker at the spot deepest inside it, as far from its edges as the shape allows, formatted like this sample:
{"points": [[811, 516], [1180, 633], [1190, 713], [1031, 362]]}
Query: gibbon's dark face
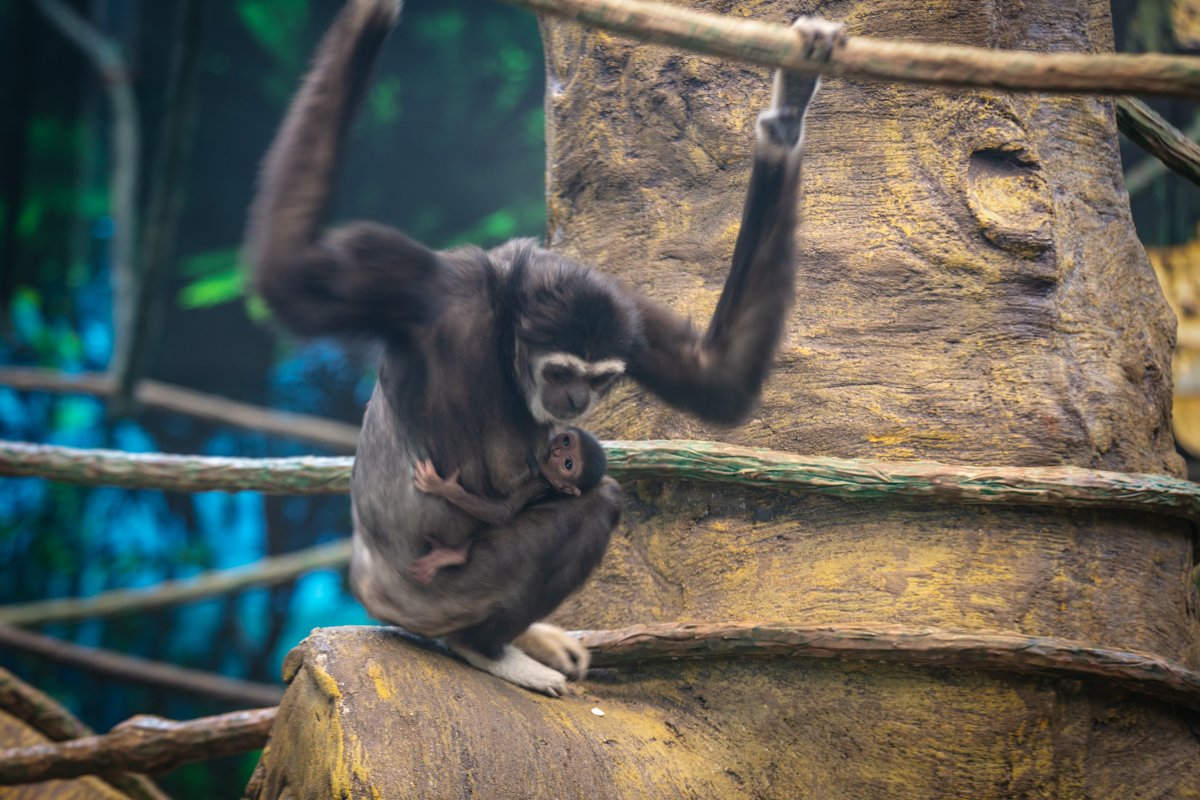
{"points": [[565, 387], [564, 462]]}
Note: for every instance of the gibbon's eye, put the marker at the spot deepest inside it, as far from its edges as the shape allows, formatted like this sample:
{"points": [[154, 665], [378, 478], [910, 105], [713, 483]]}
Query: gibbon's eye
{"points": [[555, 374], [600, 381], [568, 465], [566, 440]]}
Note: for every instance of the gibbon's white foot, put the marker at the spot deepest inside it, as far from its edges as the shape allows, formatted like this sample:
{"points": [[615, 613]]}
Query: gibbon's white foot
{"points": [[552, 646], [515, 667]]}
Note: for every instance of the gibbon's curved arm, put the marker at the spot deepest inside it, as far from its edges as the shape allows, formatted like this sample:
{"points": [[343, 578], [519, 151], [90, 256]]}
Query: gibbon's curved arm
{"points": [[718, 375], [359, 278]]}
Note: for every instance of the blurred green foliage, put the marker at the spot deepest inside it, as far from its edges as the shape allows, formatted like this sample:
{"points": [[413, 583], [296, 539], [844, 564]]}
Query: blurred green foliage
{"points": [[1149, 28], [218, 277], [448, 146], [280, 28]]}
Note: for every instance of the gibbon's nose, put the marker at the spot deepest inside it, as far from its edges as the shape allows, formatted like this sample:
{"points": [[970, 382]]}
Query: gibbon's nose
{"points": [[578, 398]]}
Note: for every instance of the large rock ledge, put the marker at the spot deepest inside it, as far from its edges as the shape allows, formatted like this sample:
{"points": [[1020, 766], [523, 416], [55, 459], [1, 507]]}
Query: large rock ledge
{"points": [[370, 713]]}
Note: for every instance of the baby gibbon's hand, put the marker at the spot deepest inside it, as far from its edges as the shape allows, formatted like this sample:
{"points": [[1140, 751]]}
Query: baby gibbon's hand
{"points": [[426, 478]]}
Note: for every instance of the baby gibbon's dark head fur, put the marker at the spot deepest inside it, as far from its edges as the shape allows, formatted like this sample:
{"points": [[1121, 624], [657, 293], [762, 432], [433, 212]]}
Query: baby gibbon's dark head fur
{"points": [[595, 463]]}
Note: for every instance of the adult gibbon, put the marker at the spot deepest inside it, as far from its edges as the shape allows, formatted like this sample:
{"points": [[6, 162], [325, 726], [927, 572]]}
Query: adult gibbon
{"points": [[487, 352]]}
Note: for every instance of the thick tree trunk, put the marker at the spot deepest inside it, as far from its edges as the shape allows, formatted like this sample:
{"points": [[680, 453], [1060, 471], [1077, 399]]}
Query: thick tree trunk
{"points": [[970, 290]]}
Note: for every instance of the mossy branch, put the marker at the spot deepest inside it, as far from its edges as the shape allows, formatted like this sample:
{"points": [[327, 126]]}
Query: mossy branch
{"points": [[746, 467], [1004, 652], [265, 572], [142, 744], [776, 45], [295, 476]]}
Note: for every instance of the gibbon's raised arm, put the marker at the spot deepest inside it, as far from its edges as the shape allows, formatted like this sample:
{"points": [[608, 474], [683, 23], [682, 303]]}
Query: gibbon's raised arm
{"points": [[360, 278], [718, 375]]}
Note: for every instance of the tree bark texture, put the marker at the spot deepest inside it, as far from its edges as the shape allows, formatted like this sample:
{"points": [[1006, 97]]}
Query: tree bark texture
{"points": [[145, 743], [46, 717], [370, 713], [15, 733], [970, 290]]}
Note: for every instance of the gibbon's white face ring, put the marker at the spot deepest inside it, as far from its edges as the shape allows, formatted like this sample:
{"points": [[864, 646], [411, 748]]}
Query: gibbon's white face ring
{"points": [[582, 372]]}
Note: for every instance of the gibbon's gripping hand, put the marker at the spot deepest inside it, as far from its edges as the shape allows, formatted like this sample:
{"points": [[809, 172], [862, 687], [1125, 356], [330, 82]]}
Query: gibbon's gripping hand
{"points": [[426, 478], [783, 123]]}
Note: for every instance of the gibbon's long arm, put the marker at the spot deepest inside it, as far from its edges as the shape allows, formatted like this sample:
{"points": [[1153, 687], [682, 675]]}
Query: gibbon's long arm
{"points": [[718, 375], [360, 278]]}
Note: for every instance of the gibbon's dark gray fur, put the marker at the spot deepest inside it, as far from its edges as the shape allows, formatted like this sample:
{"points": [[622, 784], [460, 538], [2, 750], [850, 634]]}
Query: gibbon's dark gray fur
{"points": [[486, 351]]}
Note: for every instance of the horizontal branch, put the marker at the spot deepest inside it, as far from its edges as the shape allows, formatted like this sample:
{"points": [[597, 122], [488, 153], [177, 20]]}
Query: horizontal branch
{"points": [[48, 717], [1070, 487], [1159, 138], [140, 670], [142, 744], [774, 45], [265, 572], [302, 475], [1004, 652], [714, 462], [339, 436]]}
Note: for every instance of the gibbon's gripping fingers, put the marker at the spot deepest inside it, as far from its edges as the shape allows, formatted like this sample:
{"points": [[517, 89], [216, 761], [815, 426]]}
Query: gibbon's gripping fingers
{"points": [[793, 91], [552, 646], [820, 36]]}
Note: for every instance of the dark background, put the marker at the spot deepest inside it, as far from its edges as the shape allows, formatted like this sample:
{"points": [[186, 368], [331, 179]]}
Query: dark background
{"points": [[448, 146]]}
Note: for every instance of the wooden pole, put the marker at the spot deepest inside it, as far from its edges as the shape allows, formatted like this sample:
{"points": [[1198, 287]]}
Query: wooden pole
{"points": [[265, 572], [773, 45], [140, 670], [1159, 138], [49, 718], [143, 744], [338, 436], [1004, 652]]}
